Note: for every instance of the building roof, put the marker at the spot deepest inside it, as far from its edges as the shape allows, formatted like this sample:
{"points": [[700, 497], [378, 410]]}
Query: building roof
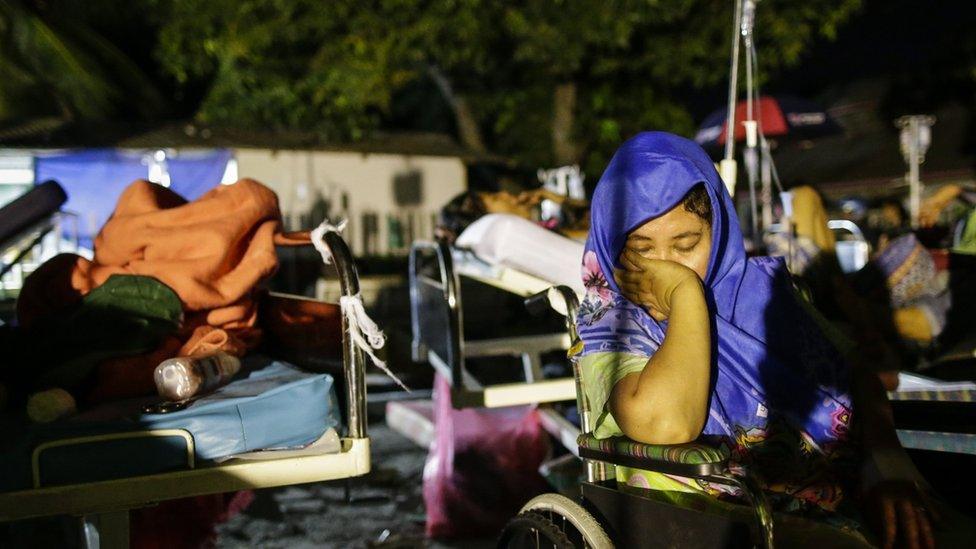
{"points": [[55, 133]]}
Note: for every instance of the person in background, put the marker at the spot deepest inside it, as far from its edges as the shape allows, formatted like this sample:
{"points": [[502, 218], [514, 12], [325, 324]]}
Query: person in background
{"points": [[899, 298], [468, 207], [937, 207], [938, 203]]}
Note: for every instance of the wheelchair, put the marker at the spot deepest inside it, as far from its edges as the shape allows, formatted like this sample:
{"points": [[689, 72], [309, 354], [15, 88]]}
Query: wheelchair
{"points": [[606, 516]]}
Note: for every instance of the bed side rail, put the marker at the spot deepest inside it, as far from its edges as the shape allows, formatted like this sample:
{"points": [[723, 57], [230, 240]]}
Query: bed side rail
{"points": [[353, 361], [435, 309]]}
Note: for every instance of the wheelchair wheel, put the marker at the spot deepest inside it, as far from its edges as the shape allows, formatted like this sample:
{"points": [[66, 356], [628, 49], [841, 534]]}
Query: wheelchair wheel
{"points": [[530, 530], [575, 526]]}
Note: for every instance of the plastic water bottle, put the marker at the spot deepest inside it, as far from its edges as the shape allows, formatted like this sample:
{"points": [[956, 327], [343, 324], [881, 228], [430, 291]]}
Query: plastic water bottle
{"points": [[183, 377]]}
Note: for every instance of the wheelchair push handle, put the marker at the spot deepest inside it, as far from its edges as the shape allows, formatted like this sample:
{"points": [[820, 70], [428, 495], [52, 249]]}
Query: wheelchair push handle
{"points": [[537, 304], [561, 299]]}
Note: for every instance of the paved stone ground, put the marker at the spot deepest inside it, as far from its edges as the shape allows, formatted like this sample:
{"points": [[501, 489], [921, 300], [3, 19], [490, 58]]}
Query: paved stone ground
{"points": [[386, 510]]}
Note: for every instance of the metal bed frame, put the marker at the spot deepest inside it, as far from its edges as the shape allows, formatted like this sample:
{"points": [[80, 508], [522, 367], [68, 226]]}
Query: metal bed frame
{"points": [[853, 252], [104, 506], [19, 246], [438, 334]]}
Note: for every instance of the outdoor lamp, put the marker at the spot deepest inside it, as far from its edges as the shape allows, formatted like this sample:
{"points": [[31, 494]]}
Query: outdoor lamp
{"points": [[916, 136], [922, 138]]}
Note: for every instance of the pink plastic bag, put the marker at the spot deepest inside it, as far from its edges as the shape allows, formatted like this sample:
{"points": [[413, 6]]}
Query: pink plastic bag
{"points": [[482, 467]]}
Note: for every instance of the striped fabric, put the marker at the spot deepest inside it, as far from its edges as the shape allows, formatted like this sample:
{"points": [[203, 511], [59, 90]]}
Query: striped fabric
{"points": [[692, 453], [959, 443], [954, 395]]}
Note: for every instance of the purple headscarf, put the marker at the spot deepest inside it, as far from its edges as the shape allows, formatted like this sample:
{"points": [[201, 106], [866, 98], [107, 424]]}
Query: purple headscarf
{"points": [[771, 361]]}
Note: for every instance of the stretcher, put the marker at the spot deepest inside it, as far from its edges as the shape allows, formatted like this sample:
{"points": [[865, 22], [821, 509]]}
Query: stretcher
{"points": [[933, 415], [510, 254], [105, 504], [518, 256]]}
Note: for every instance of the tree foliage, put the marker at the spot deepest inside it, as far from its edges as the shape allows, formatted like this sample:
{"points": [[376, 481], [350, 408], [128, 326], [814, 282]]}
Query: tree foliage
{"points": [[336, 66], [52, 62]]}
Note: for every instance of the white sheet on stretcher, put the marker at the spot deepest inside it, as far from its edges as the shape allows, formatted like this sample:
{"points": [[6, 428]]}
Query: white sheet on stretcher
{"points": [[516, 243], [916, 387], [913, 382]]}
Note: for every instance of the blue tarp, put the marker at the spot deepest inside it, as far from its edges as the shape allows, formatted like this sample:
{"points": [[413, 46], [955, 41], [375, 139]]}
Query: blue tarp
{"points": [[193, 175], [94, 179]]}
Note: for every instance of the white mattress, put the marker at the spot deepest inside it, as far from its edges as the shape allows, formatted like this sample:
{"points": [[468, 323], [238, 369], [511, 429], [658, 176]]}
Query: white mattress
{"points": [[516, 243]]}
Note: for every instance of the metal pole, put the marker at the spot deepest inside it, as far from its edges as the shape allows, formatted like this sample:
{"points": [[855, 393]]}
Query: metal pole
{"points": [[766, 194], [733, 82], [727, 167], [915, 137], [914, 184]]}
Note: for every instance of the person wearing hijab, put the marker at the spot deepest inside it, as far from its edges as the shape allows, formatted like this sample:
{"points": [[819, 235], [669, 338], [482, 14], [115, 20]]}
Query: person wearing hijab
{"points": [[684, 336], [912, 300]]}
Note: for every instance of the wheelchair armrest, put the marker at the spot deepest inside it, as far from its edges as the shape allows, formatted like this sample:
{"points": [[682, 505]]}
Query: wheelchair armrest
{"points": [[705, 457]]}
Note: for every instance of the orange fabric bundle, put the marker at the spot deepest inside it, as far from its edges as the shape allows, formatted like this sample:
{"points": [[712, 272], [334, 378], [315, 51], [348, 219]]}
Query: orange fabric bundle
{"points": [[213, 252], [303, 325]]}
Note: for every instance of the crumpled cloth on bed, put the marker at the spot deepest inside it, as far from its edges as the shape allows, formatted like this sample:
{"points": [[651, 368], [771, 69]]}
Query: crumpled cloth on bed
{"points": [[213, 252], [128, 315]]}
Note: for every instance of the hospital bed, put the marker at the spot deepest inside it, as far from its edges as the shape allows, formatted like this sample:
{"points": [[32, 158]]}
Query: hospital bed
{"points": [[852, 248], [104, 502], [508, 253], [934, 415]]}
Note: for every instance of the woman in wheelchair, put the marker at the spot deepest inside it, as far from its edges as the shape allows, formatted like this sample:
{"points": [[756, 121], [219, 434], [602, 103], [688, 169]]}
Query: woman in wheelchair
{"points": [[684, 336]]}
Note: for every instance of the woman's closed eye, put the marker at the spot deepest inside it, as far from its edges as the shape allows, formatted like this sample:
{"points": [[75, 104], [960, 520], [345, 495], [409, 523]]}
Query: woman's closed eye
{"points": [[687, 242]]}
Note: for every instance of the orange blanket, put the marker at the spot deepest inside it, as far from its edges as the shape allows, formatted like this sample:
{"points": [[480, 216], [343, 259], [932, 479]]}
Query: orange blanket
{"points": [[213, 252]]}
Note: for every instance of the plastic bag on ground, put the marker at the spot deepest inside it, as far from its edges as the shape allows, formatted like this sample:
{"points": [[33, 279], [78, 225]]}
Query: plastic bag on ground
{"points": [[482, 467]]}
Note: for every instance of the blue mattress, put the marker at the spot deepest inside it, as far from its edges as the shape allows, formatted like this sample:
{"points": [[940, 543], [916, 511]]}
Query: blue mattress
{"points": [[270, 404]]}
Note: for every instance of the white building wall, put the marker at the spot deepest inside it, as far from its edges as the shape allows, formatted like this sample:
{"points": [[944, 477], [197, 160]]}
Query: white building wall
{"points": [[366, 179]]}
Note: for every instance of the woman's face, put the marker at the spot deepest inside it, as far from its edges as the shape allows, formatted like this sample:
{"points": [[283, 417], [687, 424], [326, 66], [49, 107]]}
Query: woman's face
{"points": [[678, 236]]}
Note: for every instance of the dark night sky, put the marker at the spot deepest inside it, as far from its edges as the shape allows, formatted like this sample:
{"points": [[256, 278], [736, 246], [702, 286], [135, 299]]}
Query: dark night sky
{"points": [[925, 50]]}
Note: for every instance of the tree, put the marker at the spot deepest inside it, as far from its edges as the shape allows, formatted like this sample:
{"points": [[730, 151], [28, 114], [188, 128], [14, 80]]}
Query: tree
{"points": [[53, 64], [546, 81]]}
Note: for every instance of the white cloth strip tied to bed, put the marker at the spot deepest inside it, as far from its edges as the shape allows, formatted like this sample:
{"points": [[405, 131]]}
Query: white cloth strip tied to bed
{"points": [[364, 332]]}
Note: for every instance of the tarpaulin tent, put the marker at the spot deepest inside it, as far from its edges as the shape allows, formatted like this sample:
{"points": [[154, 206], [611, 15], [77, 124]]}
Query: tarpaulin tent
{"points": [[94, 179]]}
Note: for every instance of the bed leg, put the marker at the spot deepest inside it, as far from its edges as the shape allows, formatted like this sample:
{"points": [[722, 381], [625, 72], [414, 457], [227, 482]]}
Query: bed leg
{"points": [[532, 366], [105, 530]]}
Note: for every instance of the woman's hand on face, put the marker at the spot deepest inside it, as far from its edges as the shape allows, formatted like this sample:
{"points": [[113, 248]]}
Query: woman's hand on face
{"points": [[653, 283]]}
